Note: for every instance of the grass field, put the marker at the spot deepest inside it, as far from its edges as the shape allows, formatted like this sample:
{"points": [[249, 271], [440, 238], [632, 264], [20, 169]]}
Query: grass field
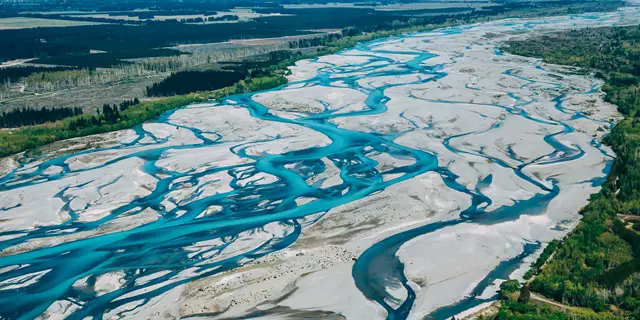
{"points": [[25, 22]]}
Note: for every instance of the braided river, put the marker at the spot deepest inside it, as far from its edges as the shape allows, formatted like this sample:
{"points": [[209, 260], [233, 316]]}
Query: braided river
{"points": [[404, 178]]}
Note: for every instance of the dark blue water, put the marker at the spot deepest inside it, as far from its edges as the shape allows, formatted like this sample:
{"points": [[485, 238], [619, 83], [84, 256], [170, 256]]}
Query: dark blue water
{"points": [[162, 246]]}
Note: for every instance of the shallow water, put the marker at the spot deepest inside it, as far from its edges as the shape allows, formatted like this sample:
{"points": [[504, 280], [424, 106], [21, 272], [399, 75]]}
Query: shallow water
{"points": [[196, 233]]}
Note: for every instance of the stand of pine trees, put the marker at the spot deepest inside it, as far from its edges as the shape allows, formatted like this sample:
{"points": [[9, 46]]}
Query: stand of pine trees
{"points": [[28, 117], [110, 114]]}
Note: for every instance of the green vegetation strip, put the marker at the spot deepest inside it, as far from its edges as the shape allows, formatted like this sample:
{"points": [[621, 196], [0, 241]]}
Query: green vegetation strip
{"points": [[546, 254], [598, 265]]}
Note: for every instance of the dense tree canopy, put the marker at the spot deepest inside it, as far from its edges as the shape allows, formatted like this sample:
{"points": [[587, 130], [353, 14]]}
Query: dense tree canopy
{"points": [[27, 117]]}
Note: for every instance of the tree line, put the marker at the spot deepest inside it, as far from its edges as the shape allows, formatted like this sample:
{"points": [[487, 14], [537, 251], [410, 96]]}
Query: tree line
{"points": [[516, 303], [10, 75], [227, 74], [226, 17], [189, 81], [28, 117], [110, 114], [316, 41]]}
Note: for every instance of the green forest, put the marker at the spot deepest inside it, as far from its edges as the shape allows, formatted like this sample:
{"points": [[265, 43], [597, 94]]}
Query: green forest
{"points": [[13, 74], [596, 266], [27, 117], [225, 74], [119, 41]]}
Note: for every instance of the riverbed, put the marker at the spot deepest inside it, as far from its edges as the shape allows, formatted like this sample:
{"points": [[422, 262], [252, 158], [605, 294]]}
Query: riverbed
{"points": [[404, 178]]}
